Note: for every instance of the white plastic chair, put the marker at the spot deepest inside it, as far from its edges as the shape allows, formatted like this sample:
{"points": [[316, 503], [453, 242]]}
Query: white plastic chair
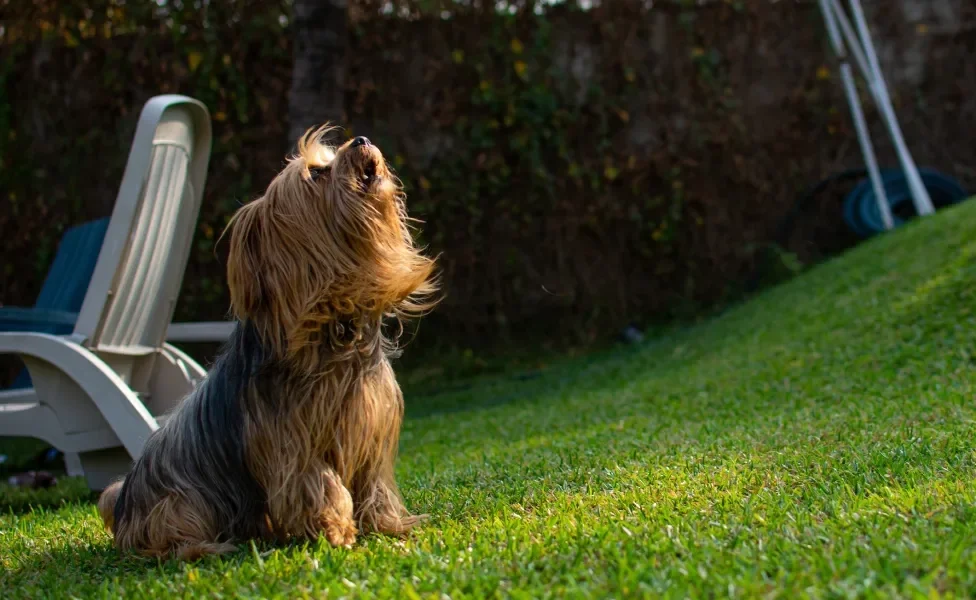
{"points": [[100, 392]]}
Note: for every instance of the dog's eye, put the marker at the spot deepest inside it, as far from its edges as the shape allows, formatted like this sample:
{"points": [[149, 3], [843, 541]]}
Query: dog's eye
{"points": [[316, 172]]}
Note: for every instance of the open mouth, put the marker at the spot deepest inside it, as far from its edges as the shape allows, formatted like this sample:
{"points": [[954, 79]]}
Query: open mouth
{"points": [[369, 174]]}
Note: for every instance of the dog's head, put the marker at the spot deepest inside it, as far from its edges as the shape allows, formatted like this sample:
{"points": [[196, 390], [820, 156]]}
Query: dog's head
{"points": [[327, 249]]}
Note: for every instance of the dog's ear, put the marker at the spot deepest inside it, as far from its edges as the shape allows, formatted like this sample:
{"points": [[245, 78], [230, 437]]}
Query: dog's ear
{"points": [[245, 262]]}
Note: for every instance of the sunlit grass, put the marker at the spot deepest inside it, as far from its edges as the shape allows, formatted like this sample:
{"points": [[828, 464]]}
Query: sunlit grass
{"points": [[817, 441]]}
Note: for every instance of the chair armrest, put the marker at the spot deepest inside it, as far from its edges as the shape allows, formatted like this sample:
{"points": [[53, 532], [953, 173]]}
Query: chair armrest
{"points": [[203, 331], [14, 318], [71, 375]]}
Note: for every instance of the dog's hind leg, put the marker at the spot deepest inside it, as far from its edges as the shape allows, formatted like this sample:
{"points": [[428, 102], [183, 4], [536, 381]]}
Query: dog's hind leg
{"points": [[106, 504], [176, 526], [191, 552]]}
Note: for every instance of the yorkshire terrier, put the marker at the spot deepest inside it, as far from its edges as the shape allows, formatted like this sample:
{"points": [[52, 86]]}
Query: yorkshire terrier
{"points": [[294, 432]]}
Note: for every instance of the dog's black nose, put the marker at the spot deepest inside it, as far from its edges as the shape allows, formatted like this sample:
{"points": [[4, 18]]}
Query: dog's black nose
{"points": [[360, 141]]}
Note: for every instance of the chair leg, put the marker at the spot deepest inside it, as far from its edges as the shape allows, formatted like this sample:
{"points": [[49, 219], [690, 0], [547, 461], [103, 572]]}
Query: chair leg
{"points": [[72, 464], [103, 467]]}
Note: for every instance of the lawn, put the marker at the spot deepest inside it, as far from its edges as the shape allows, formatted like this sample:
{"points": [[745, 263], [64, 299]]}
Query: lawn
{"points": [[817, 441]]}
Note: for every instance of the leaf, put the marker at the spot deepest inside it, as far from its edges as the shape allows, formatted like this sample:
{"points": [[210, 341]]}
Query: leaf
{"points": [[194, 59], [517, 46], [520, 68]]}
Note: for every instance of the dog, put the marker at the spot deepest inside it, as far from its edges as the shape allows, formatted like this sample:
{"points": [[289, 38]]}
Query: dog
{"points": [[294, 432]]}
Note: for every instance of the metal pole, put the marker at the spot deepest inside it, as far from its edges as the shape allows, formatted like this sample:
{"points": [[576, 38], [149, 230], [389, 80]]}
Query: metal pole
{"points": [[839, 17], [857, 115], [920, 196], [860, 125]]}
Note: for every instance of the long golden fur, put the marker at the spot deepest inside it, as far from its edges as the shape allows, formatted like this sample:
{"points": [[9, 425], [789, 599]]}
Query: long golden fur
{"points": [[294, 433]]}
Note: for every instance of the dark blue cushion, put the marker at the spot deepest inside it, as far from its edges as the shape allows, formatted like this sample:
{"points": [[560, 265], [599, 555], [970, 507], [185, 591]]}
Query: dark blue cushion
{"points": [[67, 280], [64, 289]]}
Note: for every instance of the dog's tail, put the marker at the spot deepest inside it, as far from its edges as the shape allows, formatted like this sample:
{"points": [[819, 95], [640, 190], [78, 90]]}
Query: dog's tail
{"points": [[106, 504]]}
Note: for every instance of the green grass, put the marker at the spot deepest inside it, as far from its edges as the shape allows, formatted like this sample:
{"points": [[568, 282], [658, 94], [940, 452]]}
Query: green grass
{"points": [[817, 441]]}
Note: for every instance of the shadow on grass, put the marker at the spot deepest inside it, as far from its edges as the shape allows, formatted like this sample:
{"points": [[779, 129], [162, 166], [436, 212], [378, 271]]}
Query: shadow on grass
{"points": [[528, 386], [82, 567], [454, 398], [78, 569], [69, 490]]}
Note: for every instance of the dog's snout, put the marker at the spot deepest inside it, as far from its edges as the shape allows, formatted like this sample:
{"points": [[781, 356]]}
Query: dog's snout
{"points": [[360, 141]]}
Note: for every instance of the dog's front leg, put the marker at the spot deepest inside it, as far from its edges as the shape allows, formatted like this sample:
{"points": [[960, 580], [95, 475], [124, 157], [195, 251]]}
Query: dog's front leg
{"points": [[379, 505], [313, 505], [380, 508], [336, 519]]}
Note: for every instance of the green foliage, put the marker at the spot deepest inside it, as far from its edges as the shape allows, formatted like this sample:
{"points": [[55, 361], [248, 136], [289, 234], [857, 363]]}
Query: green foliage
{"points": [[576, 171], [815, 442], [114, 56], [514, 112], [532, 157]]}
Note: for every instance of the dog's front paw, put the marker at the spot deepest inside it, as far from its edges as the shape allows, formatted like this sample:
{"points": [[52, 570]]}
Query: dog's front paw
{"points": [[341, 532]]}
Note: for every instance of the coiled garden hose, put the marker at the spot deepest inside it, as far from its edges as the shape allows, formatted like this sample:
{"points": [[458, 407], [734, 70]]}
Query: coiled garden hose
{"points": [[861, 207]]}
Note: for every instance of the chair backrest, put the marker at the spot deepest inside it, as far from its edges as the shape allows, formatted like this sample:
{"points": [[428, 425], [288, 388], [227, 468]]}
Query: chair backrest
{"points": [[136, 281], [67, 280]]}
